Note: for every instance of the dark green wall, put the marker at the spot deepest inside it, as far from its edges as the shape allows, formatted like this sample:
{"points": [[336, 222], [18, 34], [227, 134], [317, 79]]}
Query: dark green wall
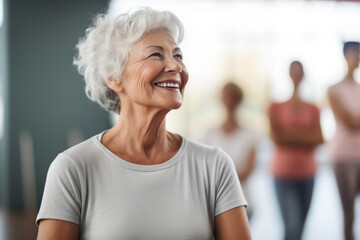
{"points": [[4, 96], [46, 95]]}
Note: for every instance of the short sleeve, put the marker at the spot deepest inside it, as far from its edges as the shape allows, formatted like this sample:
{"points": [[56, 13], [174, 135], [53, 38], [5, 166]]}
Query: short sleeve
{"points": [[229, 194], [61, 198]]}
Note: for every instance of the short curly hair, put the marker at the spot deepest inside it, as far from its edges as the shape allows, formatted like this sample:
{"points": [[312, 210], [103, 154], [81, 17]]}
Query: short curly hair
{"points": [[103, 52]]}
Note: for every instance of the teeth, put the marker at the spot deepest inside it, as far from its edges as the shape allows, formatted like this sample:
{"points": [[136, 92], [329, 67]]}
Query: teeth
{"points": [[171, 85]]}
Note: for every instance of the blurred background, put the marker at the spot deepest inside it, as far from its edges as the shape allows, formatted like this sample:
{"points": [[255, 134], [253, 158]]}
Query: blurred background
{"points": [[44, 110]]}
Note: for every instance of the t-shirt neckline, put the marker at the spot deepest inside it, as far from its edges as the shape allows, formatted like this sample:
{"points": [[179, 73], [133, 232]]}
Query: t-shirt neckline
{"points": [[138, 167]]}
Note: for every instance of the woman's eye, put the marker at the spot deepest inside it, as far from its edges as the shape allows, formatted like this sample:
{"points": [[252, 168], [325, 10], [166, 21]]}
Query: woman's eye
{"points": [[178, 56], [156, 54]]}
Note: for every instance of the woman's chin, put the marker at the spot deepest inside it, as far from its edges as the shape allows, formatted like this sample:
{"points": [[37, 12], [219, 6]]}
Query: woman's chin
{"points": [[174, 103], [175, 106]]}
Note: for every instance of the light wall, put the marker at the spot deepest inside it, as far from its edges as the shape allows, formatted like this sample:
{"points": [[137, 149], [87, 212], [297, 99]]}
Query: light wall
{"points": [[253, 42]]}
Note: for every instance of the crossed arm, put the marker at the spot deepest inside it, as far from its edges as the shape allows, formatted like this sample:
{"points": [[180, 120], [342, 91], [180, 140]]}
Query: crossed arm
{"points": [[348, 118], [296, 137]]}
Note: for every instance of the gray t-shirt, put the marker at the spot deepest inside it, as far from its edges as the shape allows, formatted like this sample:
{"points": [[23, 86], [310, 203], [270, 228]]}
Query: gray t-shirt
{"points": [[111, 198]]}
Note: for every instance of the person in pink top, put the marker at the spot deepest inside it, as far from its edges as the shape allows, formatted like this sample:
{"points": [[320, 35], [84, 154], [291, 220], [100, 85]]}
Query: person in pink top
{"points": [[344, 99], [296, 131]]}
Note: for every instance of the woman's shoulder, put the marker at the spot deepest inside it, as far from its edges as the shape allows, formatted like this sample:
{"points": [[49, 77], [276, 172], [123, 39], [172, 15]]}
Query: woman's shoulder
{"points": [[311, 107], [82, 151], [249, 134], [273, 106], [337, 87], [82, 147], [199, 147]]}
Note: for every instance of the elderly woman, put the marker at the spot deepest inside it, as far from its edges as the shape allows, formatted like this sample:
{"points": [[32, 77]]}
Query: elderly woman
{"points": [[137, 180]]}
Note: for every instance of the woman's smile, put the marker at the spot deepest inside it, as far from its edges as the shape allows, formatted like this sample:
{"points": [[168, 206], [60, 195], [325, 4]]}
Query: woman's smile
{"points": [[170, 85]]}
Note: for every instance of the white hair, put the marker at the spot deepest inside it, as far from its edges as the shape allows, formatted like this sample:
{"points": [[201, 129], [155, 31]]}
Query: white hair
{"points": [[103, 52]]}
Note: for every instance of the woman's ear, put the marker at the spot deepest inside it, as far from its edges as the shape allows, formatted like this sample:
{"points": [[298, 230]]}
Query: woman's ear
{"points": [[114, 85]]}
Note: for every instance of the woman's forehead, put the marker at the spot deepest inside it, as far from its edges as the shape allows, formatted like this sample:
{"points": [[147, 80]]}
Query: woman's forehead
{"points": [[160, 39]]}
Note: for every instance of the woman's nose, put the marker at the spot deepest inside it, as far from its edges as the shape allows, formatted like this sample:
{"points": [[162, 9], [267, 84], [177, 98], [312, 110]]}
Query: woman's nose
{"points": [[173, 65]]}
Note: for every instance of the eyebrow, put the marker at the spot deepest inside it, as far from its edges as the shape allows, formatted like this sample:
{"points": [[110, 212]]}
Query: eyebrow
{"points": [[162, 49]]}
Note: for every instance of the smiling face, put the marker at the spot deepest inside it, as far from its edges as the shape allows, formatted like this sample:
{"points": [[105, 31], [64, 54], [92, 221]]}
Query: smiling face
{"points": [[154, 75]]}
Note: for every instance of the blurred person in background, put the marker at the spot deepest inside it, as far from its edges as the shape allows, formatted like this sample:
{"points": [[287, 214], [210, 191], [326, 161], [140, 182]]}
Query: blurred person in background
{"points": [[295, 130], [137, 180], [344, 98], [235, 139]]}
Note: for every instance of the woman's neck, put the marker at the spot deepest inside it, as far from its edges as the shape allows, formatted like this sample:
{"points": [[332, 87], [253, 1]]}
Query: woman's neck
{"points": [[295, 96], [350, 75], [230, 124], [144, 129], [295, 100], [141, 134]]}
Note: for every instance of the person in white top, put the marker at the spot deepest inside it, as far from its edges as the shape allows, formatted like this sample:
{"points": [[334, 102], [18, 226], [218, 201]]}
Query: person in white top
{"points": [[137, 180], [236, 140]]}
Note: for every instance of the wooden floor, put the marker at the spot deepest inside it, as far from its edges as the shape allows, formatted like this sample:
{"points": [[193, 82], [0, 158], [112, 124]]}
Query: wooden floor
{"points": [[17, 225]]}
